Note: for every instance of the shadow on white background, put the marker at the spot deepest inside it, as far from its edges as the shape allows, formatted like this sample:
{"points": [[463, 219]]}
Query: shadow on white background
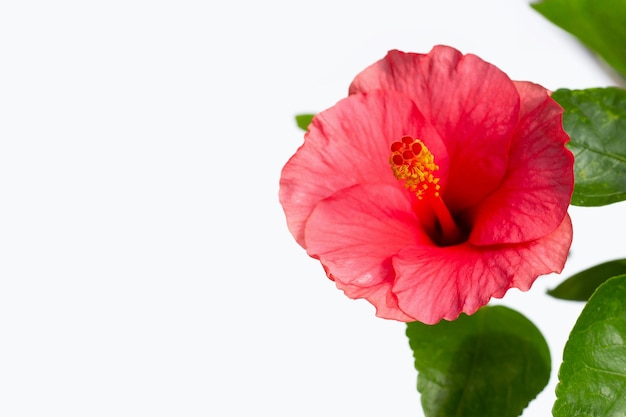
{"points": [[145, 264]]}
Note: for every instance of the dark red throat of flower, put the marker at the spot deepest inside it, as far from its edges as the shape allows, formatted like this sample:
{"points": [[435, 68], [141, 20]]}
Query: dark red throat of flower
{"points": [[412, 163]]}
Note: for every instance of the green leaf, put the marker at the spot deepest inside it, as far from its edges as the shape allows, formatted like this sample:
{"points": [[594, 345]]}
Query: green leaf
{"points": [[304, 120], [492, 363], [580, 286], [599, 24], [592, 377], [595, 119]]}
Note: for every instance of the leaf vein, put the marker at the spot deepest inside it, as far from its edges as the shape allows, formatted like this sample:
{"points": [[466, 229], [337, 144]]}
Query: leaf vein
{"points": [[586, 147]]}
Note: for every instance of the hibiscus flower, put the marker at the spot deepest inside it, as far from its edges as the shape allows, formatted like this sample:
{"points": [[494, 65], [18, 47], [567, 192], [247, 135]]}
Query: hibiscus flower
{"points": [[437, 184]]}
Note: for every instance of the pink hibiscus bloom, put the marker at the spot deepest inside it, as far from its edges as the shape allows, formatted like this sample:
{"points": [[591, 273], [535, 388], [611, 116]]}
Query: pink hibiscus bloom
{"points": [[437, 184]]}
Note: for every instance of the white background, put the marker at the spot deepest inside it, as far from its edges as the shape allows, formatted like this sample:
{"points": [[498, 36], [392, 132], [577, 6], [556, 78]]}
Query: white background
{"points": [[145, 265]]}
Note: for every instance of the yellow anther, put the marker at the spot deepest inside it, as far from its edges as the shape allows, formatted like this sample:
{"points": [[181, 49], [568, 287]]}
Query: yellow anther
{"points": [[412, 162]]}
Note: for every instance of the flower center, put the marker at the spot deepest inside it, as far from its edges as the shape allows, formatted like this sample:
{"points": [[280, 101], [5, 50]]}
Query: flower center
{"points": [[413, 163]]}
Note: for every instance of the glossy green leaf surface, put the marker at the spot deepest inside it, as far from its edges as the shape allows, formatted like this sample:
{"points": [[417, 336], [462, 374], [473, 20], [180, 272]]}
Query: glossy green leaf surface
{"points": [[580, 286], [490, 364], [592, 377], [599, 24], [595, 119], [304, 120]]}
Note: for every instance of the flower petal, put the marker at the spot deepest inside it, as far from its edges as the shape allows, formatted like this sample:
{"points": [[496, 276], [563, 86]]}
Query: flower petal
{"points": [[355, 232], [434, 283], [349, 144], [538, 185], [472, 104]]}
